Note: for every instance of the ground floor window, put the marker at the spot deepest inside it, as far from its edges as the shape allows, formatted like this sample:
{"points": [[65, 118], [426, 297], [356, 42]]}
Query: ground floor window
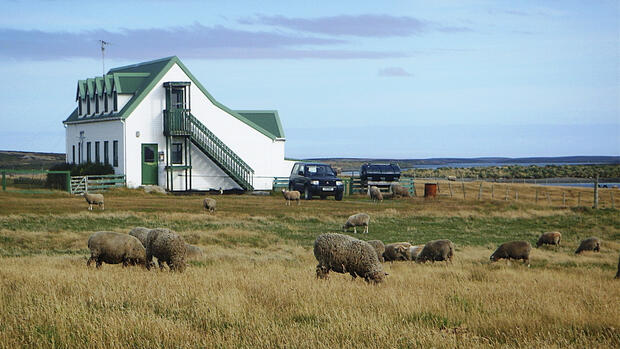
{"points": [[73, 154], [177, 153], [115, 154], [97, 154], [106, 151], [88, 159]]}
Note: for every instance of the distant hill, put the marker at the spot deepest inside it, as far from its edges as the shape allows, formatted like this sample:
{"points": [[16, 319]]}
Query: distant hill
{"points": [[23, 160]]}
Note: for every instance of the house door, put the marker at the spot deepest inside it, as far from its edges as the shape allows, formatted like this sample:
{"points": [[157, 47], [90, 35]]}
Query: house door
{"points": [[149, 164]]}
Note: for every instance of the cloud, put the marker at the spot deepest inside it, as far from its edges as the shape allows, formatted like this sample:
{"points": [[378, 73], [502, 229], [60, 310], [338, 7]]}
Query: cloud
{"points": [[194, 41], [394, 72]]}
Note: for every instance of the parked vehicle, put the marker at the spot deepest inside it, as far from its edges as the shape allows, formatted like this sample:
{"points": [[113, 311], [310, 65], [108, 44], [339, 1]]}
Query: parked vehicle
{"points": [[315, 179], [380, 174]]}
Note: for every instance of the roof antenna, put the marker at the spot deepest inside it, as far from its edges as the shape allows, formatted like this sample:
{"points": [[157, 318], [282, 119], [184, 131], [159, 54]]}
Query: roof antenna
{"points": [[103, 44]]}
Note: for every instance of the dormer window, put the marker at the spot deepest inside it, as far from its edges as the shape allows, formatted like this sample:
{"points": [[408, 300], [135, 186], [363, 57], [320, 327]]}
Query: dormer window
{"points": [[87, 105], [79, 107], [96, 104], [115, 101], [105, 103]]}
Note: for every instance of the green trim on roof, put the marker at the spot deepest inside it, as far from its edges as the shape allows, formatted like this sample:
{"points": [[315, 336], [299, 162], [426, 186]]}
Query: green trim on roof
{"points": [[141, 78], [267, 119], [90, 87], [99, 86], [81, 90]]}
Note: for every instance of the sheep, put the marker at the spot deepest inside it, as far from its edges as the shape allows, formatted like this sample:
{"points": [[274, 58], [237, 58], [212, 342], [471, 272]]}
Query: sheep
{"points": [[414, 251], [290, 195], [375, 194], [436, 250], [209, 204], [513, 250], [357, 220], [193, 252], [114, 248], [550, 238], [94, 199], [399, 190], [396, 251], [140, 233], [168, 247], [379, 248], [346, 254], [589, 244]]}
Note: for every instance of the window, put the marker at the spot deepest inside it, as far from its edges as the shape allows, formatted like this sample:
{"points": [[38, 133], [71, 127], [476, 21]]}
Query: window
{"points": [[106, 150], [79, 107], [96, 104], [79, 153], [115, 101], [177, 153], [87, 100], [115, 154], [88, 152], [73, 154], [105, 103], [97, 157]]}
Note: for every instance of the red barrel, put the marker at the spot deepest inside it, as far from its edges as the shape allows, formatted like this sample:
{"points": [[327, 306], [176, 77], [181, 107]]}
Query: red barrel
{"points": [[430, 190]]}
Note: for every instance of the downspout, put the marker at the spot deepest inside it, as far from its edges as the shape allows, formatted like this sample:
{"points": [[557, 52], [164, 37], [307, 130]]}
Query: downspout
{"points": [[124, 150]]}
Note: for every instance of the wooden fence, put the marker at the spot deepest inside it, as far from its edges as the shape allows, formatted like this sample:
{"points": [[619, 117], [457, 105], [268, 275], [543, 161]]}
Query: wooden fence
{"points": [[81, 184], [352, 185]]}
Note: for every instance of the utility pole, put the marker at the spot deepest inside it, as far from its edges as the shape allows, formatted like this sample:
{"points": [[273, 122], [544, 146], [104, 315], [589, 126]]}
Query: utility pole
{"points": [[103, 45]]}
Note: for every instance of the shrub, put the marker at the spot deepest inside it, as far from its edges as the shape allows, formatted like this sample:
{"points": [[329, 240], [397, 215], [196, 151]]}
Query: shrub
{"points": [[59, 181]]}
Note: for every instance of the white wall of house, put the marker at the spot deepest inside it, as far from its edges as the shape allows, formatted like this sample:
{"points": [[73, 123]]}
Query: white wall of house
{"points": [[96, 132]]}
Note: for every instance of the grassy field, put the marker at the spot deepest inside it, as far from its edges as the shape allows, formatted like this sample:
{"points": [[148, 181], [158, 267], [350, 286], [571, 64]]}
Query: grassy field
{"points": [[256, 285]]}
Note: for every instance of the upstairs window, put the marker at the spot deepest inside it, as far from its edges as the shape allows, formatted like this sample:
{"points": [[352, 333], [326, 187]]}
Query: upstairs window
{"points": [[105, 103], [115, 101], [79, 107], [87, 100], [177, 153], [96, 104]]}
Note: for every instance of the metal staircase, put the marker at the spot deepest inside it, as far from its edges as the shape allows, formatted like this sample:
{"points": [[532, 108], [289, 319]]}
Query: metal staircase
{"points": [[180, 122]]}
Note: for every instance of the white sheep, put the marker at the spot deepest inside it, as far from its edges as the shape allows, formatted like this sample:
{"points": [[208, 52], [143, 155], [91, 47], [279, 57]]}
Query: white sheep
{"points": [[375, 194], [290, 195], [209, 204], [357, 220], [94, 199]]}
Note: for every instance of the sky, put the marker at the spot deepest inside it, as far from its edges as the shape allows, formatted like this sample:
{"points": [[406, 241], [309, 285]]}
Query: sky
{"points": [[378, 79]]}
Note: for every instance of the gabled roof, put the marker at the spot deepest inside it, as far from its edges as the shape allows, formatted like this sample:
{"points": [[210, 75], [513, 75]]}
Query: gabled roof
{"points": [[269, 120], [139, 79]]}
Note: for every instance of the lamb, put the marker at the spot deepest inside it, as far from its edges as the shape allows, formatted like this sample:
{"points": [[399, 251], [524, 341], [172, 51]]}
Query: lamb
{"points": [[94, 199], [209, 204], [168, 247], [375, 194], [396, 251], [399, 190], [379, 248], [290, 195], [346, 254], [193, 252], [357, 220], [589, 244], [436, 250], [513, 250], [140, 233], [115, 248], [414, 252], [550, 238]]}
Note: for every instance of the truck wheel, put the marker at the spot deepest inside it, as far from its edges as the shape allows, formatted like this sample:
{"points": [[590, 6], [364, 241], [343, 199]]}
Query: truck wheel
{"points": [[307, 194], [339, 196]]}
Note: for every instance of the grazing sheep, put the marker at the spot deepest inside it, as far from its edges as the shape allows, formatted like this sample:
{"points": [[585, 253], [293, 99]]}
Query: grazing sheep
{"points": [[375, 194], [357, 220], [379, 248], [346, 254], [618, 272], [414, 252], [513, 250], [168, 247], [290, 195], [114, 248], [399, 190], [550, 238], [140, 233], [589, 244], [396, 251], [209, 204], [94, 199], [436, 250], [452, 178], [193, 252]]}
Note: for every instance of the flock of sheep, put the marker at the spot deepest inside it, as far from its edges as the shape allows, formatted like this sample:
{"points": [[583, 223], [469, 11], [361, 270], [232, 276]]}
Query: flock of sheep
{"points": [[334, 252]]}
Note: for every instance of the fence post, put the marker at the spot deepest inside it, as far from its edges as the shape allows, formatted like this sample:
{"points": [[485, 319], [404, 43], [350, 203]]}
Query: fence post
{"points": [[578, 199], [3, 181], [86, 184], [480, 192], [463, 185], [506, 197], [68, 175], [596, 192], [516, 195], [536, 200], [450, 187], [563, 199], [492, 192], [548, 198], [613, 204]]}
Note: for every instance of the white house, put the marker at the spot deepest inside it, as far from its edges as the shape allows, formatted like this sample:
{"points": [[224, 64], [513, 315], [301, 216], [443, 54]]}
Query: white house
{"points": [[156, 124]]}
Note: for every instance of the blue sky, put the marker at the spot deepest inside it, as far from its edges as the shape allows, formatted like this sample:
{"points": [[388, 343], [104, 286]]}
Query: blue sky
{"points": [[402, 79]]}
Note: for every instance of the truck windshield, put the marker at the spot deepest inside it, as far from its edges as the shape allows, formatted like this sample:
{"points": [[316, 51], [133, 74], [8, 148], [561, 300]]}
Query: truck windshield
{"points": [[314, 171]]}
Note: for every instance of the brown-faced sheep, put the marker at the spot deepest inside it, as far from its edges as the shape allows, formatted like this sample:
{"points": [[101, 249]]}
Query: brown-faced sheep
{"points": [[379, 248], [397, 251], [357, 220], [513, 250], [414, 251], [140, 233], [436, 250], [550, 238], [345, 254], [589, 244], [209, 204], [291, 195], [193, 252], [94, 199], [167, 247], [375, 194], [114, 248], [399, 191]]}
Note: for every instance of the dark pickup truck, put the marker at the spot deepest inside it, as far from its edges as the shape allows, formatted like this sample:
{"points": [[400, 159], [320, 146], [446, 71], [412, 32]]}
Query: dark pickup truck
{"points": [[379, 173], [315, 179]]}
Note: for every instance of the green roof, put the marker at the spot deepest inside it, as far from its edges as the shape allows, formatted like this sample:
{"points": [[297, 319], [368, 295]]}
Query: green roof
{"points": [[267, 119], [139, 79]]}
